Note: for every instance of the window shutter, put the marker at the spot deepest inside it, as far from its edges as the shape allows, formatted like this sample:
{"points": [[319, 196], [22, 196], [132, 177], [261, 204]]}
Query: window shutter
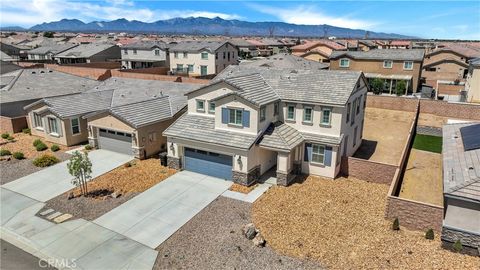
{"points": [[225, 115], [246, 118], [328, 156], [308, 152], [59, 126]]}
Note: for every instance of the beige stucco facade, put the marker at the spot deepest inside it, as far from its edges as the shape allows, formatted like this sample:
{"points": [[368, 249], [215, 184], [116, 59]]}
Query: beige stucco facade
{"points": [[472, 85]]}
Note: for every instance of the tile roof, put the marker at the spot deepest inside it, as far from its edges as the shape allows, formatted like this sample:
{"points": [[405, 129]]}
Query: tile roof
{"points": [[283, 60], [147, 45], [308, 45], [56, 48], [202, 129], [84, 50], [196, 46], [311, 137], [281, 136], [475, 62], [382, 54]]}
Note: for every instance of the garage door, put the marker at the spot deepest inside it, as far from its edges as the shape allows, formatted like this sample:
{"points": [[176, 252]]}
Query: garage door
{"points": [[116, 141], [213, 164]]}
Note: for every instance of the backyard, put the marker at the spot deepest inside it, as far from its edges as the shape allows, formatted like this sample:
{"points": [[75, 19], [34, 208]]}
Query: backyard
{"points": [[384, 135], [340, 223], [428, 143]]}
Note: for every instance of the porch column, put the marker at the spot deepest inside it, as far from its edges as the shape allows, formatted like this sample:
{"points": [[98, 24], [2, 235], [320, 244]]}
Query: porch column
{"points": [[391, 84], [284, 169]]}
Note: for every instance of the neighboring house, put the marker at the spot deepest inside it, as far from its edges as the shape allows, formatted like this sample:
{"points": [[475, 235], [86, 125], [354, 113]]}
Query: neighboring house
{"points": [[25, 86], [89, 53], [365, 45], [6, 58], [145, 54], [17, 52], [246, 49], [47, 52], [7, 67], [461, 184], [472, 84], [389, 65], [201, 58], [122, 115], [249, 120], [399, 44], [286, 61], [319, 51]]}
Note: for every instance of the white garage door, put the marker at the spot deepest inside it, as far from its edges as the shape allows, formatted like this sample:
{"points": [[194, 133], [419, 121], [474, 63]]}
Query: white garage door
{"points": [[116, 141]]}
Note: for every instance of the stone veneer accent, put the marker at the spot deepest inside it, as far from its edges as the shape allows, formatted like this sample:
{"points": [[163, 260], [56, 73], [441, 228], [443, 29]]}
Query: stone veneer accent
{"points": [[139, 152], [432, 131], [173, 163], [284, 179], [246, 179], [467, 239], [93, 142]]}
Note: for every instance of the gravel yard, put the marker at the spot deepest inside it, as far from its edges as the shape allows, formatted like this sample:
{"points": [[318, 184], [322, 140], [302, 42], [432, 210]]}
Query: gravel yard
{"points": [[341, 224], [14, 169], [24, 143], [384, 135], [213, 240]]}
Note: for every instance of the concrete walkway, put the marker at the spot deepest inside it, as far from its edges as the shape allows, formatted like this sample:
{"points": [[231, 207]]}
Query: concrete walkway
{"points": [[78, 244], [153, 216], [55, 180]]}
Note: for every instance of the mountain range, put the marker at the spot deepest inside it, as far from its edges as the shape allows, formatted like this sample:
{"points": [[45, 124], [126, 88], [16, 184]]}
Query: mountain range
{"points": [[211, 26]]}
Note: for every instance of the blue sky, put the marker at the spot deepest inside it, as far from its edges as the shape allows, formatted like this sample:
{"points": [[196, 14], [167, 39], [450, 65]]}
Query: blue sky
{"points": [[426, 19]]}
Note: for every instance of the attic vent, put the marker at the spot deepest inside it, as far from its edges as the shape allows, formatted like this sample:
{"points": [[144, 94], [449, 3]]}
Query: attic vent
{"points": [[42, 71], [33, 72], [50, 71], [122, 95]]}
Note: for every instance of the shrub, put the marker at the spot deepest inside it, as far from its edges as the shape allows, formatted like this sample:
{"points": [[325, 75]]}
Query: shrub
{"points": [[127, 165], [27, 131], [10, 138], [55, 148], [36, 142], [457, 246], [377, 86], [41, 146], [401, 88], [45, 161], [429, 234], [396, 225], [5, 135], [88, 147], [18, 155], [5, 152]]}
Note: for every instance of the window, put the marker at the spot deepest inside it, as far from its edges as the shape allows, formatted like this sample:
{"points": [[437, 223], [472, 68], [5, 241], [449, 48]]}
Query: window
{"points": [[125, 51], [224, 55], [387, 64], [355, 136], [276, 106], [348, 113], [37, 120], [408, 65], [211, 107], [365, 101], [358, 104], [344, 62], [307, 114], [228, 56], [203, 70], [175, 54], [290, 112], [216, 55], [204, 56], [180, 67], [318, 153], [235, 117], [263, 112], [75, 123], [157, 52], [326, 116], [185, 55], [134, 51], [190, 68], [53, 125], [201, 105]]}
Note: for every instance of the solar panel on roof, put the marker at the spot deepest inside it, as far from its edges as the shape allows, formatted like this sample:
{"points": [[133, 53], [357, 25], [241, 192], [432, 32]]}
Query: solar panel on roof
{"points": [[471, 137]]}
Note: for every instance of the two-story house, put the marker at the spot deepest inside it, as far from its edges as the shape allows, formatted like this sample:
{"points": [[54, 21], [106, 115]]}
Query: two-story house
{"points": [[388, 65], [249, 120], [319, 50], [145, 54], [201, 58], [46, 53], [88, 53]]}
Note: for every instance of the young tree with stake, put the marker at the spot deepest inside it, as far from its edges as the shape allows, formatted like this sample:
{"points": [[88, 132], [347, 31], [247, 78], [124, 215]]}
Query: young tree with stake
{"points": [[80, 167]]}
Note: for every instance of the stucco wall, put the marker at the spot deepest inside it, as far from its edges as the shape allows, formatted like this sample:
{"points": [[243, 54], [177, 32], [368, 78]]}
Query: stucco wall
{"points": [[107, 121], [472, 85], [153, 147], [392, 103]]}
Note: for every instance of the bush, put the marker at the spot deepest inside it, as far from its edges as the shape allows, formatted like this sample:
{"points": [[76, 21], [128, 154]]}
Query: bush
{"points": [[377, 86], [401, 88], [37, 142], [127, 165], [45, 161], [88, 147], [41, 146], [18, 155], [10, 138], [5, 135], [429, 234], [396, 225], [27, 131], [457, 246], [4, 152], [55, 148]]}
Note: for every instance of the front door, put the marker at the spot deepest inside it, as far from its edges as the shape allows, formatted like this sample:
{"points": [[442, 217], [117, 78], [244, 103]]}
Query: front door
{"points": [[203, 70]]}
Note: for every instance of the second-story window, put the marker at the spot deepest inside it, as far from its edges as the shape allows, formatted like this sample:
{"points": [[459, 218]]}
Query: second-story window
{"points": [[263, 113], [204, 55], [216, 55], [291, 112], [348, 113], [344, 62], [326, 116], [235, 117], [276, 106], [224, 55], [387, 64], [175, 54], [134, 51], [157, 52], [408, 65], [200, 105], [211, 107], [185, 55], [307, 114], [358, 104], [125, 51]]}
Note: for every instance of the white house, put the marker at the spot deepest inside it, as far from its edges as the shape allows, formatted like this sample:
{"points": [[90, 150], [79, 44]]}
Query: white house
{"points": [[249, 120], [145, 55]]}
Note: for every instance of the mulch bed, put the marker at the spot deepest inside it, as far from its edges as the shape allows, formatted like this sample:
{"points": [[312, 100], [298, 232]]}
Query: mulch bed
{"points": [[13, 169], [241, 188], [341, 224], [213, 240]]}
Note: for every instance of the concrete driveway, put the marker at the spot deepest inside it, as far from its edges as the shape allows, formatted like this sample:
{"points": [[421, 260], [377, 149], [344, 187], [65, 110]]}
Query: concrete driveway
{"points": [[153, 216], [55, 180]]}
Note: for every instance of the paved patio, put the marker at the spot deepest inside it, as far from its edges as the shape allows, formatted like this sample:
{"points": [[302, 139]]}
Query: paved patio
{"points": [[55, 180], [153, 216]]}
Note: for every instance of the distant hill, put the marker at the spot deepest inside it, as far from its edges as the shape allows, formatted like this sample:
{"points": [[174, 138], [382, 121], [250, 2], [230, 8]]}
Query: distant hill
{"points": [[12, 28], [214, 26]]}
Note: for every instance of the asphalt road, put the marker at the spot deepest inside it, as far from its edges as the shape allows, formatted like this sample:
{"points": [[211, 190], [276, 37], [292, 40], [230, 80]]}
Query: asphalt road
{"points": [[13, 258]]}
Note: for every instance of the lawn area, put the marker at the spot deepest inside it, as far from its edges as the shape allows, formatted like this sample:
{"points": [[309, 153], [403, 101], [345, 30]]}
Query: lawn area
{"points": [[340, 223], [428, 143]]}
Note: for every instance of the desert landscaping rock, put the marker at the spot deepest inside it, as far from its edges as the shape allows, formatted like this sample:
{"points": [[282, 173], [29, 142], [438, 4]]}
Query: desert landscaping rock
{"points": [[258, 240], [249, 231]]}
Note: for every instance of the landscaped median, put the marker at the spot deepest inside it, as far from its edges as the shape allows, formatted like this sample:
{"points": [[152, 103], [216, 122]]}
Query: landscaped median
{"points": [[340, 223]]}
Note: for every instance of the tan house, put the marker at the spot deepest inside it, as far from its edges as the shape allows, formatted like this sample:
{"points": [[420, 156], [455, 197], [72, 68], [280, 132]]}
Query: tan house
{"points": [[388, 65], [472, 84], [122, 115], [316, 50], [249, 121]]}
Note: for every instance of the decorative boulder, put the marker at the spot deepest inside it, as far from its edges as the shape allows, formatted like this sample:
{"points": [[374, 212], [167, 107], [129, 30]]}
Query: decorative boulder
{"points": [[249, 231], [258, 240]]}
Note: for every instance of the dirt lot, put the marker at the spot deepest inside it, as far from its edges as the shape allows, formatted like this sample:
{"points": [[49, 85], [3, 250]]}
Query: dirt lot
{"points": [[24, 143], [423, 178], [431, 120], [213, 240], [341, 224], [384, 135]]}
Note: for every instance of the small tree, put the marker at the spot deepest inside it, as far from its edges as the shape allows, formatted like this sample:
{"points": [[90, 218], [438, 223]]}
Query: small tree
{"points": [[48, 34], [377, 86], [396, 225], [457, 246], [80, 167], [429, 234], [401, 88]]}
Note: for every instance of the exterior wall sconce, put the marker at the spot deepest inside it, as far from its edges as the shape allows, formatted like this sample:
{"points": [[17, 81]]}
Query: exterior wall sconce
{"points": [[172, 147], [239, 161]]}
